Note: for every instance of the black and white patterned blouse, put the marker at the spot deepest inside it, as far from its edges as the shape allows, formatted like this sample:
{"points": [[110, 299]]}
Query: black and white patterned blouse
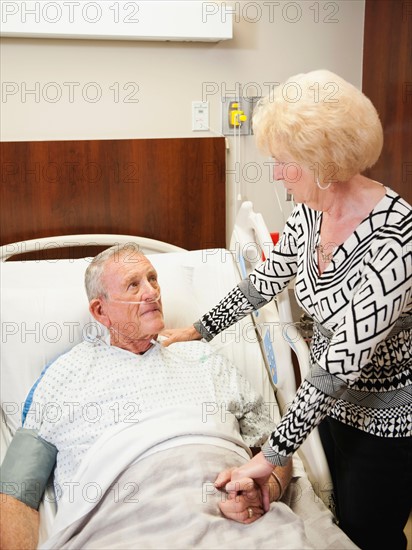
{"points": [[361, 356]]}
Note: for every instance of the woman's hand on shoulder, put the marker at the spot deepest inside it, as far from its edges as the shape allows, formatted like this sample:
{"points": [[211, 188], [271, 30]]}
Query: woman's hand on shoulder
{"points": [[179, 335]]}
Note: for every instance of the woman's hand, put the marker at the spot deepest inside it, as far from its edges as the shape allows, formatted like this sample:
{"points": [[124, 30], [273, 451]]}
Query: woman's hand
{"points": [[179, 335], [258, 469], [243, 505]]}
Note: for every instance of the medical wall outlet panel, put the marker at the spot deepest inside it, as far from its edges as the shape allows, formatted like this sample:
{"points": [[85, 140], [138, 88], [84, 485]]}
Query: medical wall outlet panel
{"points": [[200, 116], [237, 115], [253, 103]]}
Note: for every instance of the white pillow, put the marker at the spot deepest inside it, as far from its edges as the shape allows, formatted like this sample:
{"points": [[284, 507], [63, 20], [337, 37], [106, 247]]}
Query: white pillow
{"points": [[44, 312]]}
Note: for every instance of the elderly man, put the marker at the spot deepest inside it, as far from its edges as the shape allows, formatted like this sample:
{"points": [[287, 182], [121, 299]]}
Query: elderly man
{"points": [[100, 385]]}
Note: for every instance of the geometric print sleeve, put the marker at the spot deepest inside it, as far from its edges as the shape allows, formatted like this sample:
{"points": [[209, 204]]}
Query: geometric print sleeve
{"points": [[234, 306], [314, 399], [381, 303], [258, 289], [275, 274], [307, 410]]}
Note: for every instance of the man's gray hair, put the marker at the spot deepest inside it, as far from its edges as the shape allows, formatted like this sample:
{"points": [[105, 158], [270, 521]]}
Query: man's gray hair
{"points": [[93, 278]]}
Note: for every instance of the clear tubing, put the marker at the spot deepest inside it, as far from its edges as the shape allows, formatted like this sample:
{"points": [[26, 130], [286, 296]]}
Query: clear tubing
{"points": [[148, 301], [179, 357], [280, 205]]}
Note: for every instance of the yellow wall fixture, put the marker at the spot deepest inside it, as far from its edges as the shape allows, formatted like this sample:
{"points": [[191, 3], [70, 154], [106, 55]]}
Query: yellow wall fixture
{"points": [[236, 115]]}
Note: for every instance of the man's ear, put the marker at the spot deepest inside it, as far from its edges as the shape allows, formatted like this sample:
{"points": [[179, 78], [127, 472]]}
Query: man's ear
{"points": [[98, 309]]}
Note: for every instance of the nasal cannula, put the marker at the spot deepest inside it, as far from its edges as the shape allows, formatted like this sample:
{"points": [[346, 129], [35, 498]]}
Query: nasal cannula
{"points": [[148, 301], [168, 350]]}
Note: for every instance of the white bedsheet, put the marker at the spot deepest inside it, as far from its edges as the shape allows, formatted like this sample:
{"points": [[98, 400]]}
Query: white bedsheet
{"points": [[165, 465], [112, 453]]}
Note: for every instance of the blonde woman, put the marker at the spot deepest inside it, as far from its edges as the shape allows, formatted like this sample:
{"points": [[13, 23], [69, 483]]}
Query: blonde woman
{"points": [[348, 245]]}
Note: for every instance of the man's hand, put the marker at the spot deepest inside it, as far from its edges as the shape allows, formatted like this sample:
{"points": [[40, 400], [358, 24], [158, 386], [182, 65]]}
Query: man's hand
{"points": [[244, 504], [179, 335]]}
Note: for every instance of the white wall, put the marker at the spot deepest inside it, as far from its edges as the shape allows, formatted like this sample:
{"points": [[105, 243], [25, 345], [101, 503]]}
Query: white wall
{"points": [[272, 41]]}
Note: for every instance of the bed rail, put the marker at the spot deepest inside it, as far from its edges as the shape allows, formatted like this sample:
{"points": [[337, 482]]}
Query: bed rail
{"points": [[148, 246], [279, 336]]}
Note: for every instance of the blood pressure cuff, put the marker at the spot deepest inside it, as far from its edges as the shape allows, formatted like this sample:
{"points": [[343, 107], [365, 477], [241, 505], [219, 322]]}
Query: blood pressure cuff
{"points": [[27, 466]]}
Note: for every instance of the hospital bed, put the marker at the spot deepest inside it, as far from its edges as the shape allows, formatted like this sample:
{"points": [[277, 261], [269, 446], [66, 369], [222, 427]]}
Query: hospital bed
{"points": [[44, 313]]}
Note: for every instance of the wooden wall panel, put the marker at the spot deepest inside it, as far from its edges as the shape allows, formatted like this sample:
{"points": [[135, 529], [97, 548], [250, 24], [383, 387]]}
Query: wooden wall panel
{"points": [[387, 80], [168, 189]]}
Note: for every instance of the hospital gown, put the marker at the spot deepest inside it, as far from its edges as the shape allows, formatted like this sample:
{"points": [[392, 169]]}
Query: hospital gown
{"points": [[95, 386]]}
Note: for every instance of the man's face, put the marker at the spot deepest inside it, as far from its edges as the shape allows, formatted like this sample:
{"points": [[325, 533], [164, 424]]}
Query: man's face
{"points": [[132, 278]]}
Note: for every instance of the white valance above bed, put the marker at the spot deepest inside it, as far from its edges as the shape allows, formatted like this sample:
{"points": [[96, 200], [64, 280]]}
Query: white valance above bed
{"points": [[118, 20]]}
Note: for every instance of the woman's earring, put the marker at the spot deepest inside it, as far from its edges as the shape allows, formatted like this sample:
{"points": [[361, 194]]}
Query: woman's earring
{"points": [[323, 188]]}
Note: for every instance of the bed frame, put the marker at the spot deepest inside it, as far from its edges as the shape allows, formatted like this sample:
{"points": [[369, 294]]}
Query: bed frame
{"points": [[191, 217], [58, 196]]}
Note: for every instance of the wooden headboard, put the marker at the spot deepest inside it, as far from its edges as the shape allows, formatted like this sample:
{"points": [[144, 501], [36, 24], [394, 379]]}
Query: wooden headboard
{"points": [[172, 190]]}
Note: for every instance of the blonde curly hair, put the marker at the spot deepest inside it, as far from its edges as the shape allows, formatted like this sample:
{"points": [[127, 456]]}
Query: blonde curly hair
{"points": [[322, 122]]}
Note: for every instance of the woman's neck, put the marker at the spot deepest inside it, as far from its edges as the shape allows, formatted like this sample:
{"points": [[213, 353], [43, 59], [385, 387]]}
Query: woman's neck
{"points": [[353, 199]]}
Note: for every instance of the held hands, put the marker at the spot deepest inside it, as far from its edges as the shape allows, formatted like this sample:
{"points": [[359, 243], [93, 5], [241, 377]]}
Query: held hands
{"points": [[179, 335], [244, 504], [248, 490]]}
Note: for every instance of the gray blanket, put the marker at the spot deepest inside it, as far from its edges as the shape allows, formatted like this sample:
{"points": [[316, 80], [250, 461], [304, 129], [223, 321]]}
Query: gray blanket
{"points": [[167, 500], [150, 485]]}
